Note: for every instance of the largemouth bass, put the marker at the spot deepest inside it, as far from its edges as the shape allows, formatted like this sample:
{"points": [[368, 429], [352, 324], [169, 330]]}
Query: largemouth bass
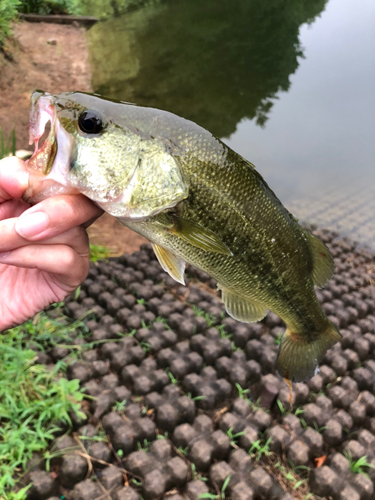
{"points": [[197, 201]]}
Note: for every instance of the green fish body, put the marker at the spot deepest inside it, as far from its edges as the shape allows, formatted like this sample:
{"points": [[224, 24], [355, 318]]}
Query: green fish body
{"points": [[197, 201]]}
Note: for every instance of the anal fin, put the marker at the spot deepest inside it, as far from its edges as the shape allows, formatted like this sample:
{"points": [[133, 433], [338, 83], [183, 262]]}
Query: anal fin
{"points": [[242, 309], [171, 264]]}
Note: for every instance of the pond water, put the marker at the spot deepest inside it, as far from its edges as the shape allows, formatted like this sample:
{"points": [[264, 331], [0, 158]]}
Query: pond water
{"points": [[288, 85]]}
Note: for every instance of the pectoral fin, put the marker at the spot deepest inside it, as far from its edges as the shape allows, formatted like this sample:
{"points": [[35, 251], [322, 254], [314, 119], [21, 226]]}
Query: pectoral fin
{"points": [[240, 308], [198, 236], [323, 265], [171, 264]]}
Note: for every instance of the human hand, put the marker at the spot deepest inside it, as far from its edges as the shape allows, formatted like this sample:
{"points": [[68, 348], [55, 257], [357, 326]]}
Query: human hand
{"points": [[44, 249]]}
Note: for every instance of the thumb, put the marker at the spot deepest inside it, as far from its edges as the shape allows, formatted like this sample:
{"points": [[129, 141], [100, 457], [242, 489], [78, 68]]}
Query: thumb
{"points": [[14, 178]]}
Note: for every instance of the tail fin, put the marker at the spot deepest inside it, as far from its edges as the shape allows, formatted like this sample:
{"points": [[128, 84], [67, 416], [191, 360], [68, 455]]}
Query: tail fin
{"points": [[299, 357]]}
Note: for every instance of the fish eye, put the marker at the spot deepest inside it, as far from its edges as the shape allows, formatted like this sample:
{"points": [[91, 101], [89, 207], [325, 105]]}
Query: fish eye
{"points": [[90, 122]]}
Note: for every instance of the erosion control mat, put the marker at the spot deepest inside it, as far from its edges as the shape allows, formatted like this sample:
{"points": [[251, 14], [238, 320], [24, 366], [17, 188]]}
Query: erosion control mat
{"points": [[187, 404]]}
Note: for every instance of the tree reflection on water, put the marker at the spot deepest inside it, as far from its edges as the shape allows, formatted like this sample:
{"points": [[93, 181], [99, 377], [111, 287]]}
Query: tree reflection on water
{"points": [[212, 62]]}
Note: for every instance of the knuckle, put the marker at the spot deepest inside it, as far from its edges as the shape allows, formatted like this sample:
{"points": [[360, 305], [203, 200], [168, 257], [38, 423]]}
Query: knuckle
{"points": [[79, 238], [76, 233], [84, 269], [69, 260]]}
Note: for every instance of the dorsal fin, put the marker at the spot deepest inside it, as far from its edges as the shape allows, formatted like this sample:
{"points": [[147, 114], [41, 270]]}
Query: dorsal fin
{"points": [[323, 265]]}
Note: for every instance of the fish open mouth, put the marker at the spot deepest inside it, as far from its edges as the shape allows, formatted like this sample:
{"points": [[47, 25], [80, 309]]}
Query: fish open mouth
{"points": [[49, 163], [42, 133]]}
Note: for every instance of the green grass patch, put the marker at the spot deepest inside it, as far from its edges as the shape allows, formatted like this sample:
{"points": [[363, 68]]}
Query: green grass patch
{"points": [[217, 496], [99, 252], [7, 145], [359, 466], [210, 319], [32, 398], [50, 6], [8, 12], [49, 330]]}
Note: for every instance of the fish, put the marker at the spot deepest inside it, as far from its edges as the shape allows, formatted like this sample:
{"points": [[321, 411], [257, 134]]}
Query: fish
{"points": [[197, 201]]}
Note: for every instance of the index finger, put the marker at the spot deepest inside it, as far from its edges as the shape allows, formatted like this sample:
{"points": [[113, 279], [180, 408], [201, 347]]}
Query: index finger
{"points": [[14, 178]]}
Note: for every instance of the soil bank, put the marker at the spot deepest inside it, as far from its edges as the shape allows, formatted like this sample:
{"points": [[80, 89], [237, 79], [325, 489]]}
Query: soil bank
{"points": [[54, 58]]}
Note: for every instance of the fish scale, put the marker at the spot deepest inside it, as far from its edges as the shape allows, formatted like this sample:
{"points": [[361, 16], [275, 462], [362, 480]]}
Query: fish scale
{"points": [[251, 272], [197, 201]]}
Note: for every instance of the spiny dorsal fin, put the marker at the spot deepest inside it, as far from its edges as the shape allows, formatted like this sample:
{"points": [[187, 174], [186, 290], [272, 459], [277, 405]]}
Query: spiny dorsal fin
{"points": [[171, 264], [240, 308], [323, 265], [198, 236]]}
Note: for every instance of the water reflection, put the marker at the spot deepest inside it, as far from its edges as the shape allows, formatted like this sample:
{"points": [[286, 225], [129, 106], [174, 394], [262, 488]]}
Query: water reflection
{"points": [[232, 66], [317, 150], [212, 62]]}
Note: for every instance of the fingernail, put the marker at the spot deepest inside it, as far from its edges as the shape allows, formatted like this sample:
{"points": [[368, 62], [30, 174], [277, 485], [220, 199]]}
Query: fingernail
{"points": [[30, 225], [3, 255]]}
